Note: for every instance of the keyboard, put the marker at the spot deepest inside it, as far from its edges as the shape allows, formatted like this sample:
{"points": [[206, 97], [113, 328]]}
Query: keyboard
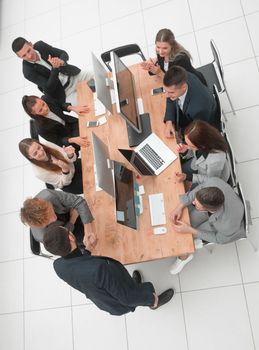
{"points": [[151, 156], [157, 209]]}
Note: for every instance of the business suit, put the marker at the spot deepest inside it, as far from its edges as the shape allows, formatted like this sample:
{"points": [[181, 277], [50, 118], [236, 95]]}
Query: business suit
{"points": [[199, 104], [104, 281], [52, 130], [223, 226], [203, 166], [46, 79], [62, 203], [183, 60]]}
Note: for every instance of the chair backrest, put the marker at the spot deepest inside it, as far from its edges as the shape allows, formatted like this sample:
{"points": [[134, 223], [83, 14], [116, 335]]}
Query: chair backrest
{"points": [[33, 130], [219, 120], [246, 203], [122, 51], [35, 247], [217, 58], [231, 158]]}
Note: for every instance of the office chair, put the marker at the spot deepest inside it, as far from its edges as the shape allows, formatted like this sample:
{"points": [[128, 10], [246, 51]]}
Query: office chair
{"points": [[213, 74], [36, 249], [122, 51], [231, 158], [220, 123], [33, 130]]}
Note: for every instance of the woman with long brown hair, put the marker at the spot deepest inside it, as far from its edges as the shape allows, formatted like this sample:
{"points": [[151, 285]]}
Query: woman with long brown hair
{"points": [[54, 165], [210, 156], [170, 52]]}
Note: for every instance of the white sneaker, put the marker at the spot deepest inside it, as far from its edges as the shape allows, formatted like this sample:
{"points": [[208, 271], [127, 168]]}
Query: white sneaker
{"points": [[179, 264]]}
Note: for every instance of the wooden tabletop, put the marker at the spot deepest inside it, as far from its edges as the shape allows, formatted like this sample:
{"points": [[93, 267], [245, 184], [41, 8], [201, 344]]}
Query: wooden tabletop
{"points": [[117, 241]]}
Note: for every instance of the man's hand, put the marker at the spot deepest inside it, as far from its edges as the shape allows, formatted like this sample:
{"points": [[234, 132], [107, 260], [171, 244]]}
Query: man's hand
{"points": [[80, 141], [183, 227], [90, 241], [176, 214], [169, 129], [55, 62]]}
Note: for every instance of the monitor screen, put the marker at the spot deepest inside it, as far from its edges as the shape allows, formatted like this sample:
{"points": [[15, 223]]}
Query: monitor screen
{"points": [[125, 95], [124, 196], [101, 83], [103, 166]]}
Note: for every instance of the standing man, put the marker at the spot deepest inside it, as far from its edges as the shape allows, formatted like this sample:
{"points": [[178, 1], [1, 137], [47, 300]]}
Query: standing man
{"points": [[47, 67], [103, 280], [187, 100]]}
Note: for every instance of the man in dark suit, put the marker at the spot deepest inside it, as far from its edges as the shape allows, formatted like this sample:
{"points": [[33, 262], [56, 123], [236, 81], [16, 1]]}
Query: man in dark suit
{"points": [[51, 123], [188, 99], [103, 280], [47, 67]]}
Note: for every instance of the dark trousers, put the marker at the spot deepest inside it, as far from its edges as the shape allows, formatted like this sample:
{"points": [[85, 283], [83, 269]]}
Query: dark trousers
{"points": [[76, 185]]}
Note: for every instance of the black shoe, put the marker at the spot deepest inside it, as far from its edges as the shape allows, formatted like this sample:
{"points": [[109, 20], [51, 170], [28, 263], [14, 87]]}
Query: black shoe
{"points": [[164, 297], [137, 277]]}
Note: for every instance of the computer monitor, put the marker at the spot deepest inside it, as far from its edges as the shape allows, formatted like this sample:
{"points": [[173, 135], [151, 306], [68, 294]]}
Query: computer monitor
{"points": [[102, 83], [103, 166], [124, 196], [126, 102]]}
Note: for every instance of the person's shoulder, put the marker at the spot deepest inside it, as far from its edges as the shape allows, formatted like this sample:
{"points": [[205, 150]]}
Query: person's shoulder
{"points": [[216, 182], [46, 194]]}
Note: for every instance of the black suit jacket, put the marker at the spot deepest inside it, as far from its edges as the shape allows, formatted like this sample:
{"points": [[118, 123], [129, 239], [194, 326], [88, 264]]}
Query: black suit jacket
{"points": [[47, 80], [199, 103], [104, 281], [54, 131]]}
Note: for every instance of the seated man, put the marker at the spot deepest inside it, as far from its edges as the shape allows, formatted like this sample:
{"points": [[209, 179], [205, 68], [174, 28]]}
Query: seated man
{"points": [[187, 100], [47, 67], [216, 215], [57, 208], [103, 280]]}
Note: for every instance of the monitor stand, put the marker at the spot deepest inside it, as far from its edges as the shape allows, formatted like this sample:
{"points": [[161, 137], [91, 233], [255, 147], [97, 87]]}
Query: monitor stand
{"points": [[134, 137]]}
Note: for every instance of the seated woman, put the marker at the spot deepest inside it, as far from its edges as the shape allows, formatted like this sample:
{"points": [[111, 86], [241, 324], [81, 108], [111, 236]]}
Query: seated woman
{"points": [[210, 157], [52, 123], [170, 52], [54, 165]]}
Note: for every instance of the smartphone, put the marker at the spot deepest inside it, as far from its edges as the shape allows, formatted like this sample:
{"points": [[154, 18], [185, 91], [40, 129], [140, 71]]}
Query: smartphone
{"points": [[92, 124], [156, 91]]}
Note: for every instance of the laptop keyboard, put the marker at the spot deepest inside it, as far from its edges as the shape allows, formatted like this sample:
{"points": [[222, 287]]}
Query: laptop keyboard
{"points": [[151, 156]]}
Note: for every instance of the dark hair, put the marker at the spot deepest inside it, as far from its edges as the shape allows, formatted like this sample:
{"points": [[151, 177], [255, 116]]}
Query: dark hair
{"points": [[167, 36], [205, 137], [212, 198], [28, 102], [24, 147], [18, 44], [175, 75], [56, 240]]}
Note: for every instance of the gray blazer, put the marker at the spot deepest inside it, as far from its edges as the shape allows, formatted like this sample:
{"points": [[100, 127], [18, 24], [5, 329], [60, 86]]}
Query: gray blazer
{"points": [[62, 203], [215, 165], [226, 224]]}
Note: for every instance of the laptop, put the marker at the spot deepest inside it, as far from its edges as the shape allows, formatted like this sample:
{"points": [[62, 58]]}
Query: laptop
{"points": [[150, 157]]}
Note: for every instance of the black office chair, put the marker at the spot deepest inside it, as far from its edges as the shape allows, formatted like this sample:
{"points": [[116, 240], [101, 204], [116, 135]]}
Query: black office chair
{"points": [[213, 74], [247, 207], [122, 51], [232, 162], [219, 115], [36, 249]]}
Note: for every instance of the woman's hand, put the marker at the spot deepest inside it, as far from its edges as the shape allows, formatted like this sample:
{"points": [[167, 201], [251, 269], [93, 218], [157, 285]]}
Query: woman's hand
{"points": [[181, 148], [180, 177], [70, 151]]}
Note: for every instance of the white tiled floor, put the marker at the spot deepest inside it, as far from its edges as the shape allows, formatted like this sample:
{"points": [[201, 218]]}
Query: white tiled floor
{"points": [[216, 305]]}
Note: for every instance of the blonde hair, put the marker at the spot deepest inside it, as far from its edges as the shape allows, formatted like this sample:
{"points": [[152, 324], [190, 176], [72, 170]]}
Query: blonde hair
{"points": [[35, 212]]}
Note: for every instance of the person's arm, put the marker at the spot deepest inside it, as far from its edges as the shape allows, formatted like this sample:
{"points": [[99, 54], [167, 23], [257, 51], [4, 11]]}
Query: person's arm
{"points": [[215, 163], [51, 50]]}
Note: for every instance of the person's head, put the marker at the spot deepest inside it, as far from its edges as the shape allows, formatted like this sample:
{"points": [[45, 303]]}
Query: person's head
{"points": [[175, 82], [40, 154], [200, 135], [37, 212], [35, 106], [209, 199], [24, 49], [59, 241], [166, 45]]}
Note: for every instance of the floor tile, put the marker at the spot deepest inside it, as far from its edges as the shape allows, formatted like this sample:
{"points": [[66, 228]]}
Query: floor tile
{"points": [[11, 293], [7, 36], [208, 270], [48, 329], [11, 74], [253, 27], [252, 291], [15, 10], [10, 138], [113, 332], [34, 8], [250, 6], [157, 329], [120, 9], [217, 319], [11, 189], [11, 331], [11, 108]]}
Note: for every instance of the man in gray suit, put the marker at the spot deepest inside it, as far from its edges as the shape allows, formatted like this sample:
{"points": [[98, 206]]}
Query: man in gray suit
{"points": [[216, 215], [58, 208]]}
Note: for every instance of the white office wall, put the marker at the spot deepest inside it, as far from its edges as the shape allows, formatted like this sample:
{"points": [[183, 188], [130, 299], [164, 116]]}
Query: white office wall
{"points": [[216, 302]]}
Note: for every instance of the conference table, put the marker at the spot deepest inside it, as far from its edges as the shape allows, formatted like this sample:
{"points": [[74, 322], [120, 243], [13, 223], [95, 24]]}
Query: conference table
{"points": [[115, 240]]}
